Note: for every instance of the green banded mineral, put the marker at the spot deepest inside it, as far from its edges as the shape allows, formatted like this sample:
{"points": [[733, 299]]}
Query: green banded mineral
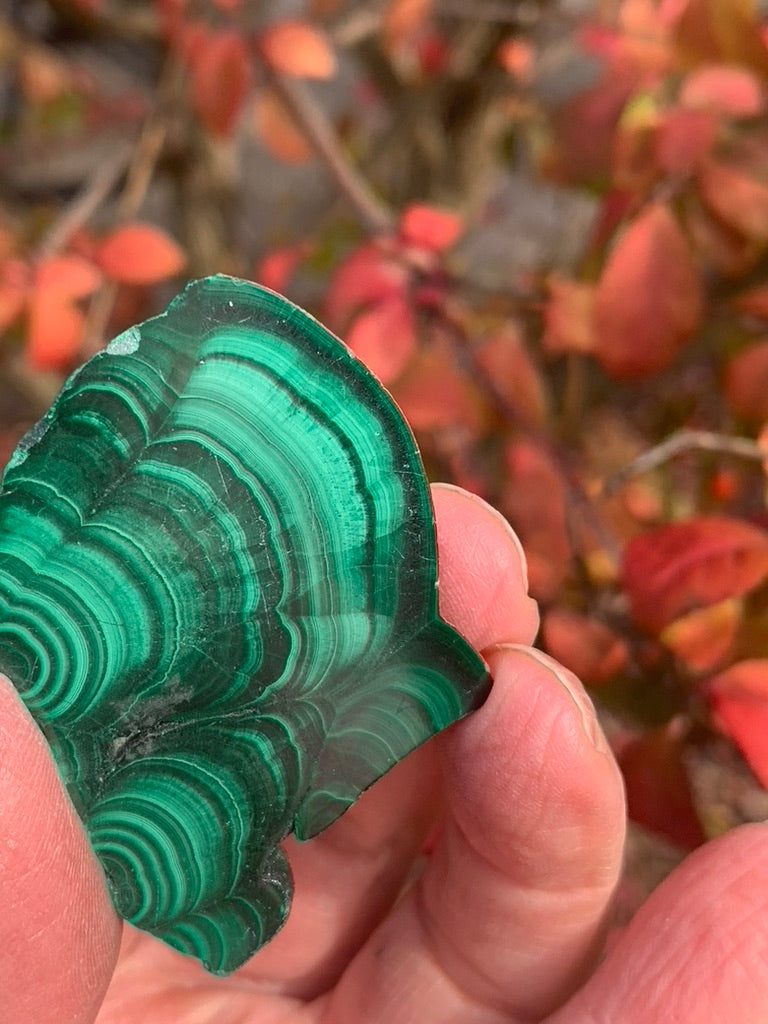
{"points": [[218, 600]]}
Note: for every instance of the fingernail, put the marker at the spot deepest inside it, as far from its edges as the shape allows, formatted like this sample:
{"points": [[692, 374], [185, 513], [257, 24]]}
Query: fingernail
{"points": [[494, 513], [569, 683]]}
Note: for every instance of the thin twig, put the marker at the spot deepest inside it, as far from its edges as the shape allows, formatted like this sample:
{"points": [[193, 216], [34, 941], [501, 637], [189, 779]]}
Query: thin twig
{"points": [[357, 25], [319, 132], [148, 150], [138, 179], [676, 444], [80, 210]]}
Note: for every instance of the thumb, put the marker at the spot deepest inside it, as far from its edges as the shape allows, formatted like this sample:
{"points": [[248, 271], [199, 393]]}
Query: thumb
{"points": [[59, 935], [696, 950]]}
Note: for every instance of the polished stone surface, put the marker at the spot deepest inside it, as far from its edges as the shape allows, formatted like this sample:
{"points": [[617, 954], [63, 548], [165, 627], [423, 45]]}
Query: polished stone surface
{"points": [[218, 600]]}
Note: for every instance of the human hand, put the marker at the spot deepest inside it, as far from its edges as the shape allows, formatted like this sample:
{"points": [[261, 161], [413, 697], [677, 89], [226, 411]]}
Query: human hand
{"points": [[505, 923]]}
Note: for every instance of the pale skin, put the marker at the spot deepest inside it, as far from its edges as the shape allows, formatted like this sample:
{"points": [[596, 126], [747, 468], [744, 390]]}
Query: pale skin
{"points": [[506, 922]]}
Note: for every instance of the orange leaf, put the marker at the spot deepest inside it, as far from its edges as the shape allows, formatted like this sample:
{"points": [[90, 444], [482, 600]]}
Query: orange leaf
{"points": [[746, 382], [140, 254], [658, 792], [277, 130], [221, 77], [702, 638], [740, 200], [430, 228], [568, 316], [721, 30], [384, 337], [71, 276], [517, 56], [43, 75], [739, 701], [648, 300], [723, 89], [297, 48], [669, 571], [54, 331], [534, 502], [590, 649]]}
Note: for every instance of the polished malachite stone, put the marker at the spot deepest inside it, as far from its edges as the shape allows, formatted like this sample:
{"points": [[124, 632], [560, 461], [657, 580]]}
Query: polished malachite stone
{"points": [[218, 600]]}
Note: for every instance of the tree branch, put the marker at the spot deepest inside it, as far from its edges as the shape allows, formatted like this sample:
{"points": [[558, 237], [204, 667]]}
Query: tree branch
{"points": [[374, 216], [684, 441]]}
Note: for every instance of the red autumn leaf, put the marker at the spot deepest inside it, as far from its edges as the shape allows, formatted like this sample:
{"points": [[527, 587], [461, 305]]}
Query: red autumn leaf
{"points": [[736, 197], [190, 39], [590, 649], [658, 792], [611, 211], [384, 337], [429, 228], [725, 484], [648, 300], [738, 698], [723, 89], [221, 77], [746, 382], [432, 51], [717, 244], [70, 276], [171, 17], [568, 316], [754, 302], [403, 19], [297, 48], [534, 502], [584, 128], [276, 268], [434, 395], [366, 276], [670, 571], [505, 358], [703, 638], [54, 330], [683, 139], [139, 254]]}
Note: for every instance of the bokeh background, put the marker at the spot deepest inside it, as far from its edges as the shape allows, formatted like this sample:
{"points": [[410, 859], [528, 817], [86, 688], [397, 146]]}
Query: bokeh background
{"points": [[543, 225]]}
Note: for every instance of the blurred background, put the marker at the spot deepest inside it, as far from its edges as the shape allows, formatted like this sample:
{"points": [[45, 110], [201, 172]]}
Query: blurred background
{"points": [[543, 225]]}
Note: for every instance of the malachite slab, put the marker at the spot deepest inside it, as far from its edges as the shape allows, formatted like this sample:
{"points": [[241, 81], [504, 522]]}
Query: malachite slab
{"points": [[218, 600]]}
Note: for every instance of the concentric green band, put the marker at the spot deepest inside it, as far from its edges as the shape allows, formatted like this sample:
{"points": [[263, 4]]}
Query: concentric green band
{"points": [[217, 597]]}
